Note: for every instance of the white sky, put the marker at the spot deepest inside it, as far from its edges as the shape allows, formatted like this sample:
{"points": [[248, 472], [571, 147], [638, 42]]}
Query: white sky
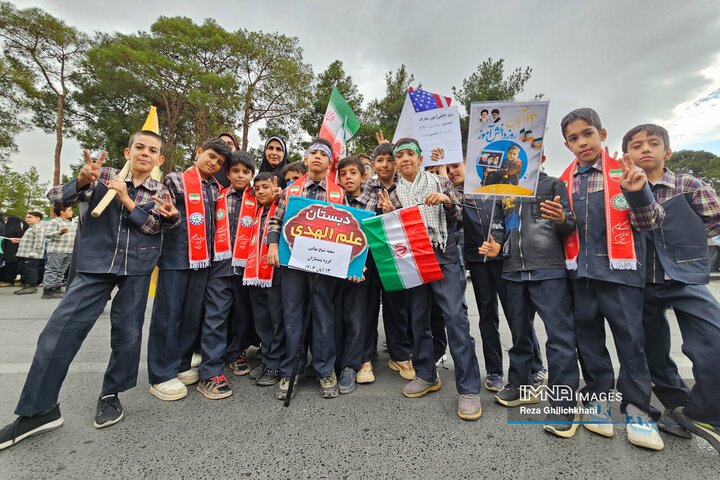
{"points": [[634, 62]]}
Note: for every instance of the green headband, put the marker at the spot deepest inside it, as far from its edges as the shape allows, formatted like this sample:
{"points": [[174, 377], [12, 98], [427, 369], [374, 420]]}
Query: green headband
{"points": [[407, 146]]}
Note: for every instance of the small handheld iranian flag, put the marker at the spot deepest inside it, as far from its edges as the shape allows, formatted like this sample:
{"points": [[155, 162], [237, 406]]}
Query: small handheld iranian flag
{"points": [[401, 248], [339, 124]]}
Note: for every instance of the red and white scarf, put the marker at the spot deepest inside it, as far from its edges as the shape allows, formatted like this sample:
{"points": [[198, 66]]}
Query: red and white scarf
{"points": [[334, 192], [620, 244], [257, 271], [195, 218], [239, 252]]}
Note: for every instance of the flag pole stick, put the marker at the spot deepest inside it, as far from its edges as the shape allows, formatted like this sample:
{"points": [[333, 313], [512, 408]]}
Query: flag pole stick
{"points": [[492, 216]]}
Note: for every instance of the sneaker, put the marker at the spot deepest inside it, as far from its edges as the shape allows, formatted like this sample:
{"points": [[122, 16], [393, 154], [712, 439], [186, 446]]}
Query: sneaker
{"points": [[109, 411], [419, 387], [26, 290], [346, 384], [215, 388], [269, 377], [189, 377], [405, 368], [599, 421], [196, 360], [47, 293], [494, 382], [441, 360], [512, 396], [469, 407], [562, 425], [669, 424], [169, 390], [57, 294], [709, 432], [641, 430], [24, 427], [258, 371], [365, 374], [5, 284], [329, 386], [240, 366], [540, 377], [283, 386]]}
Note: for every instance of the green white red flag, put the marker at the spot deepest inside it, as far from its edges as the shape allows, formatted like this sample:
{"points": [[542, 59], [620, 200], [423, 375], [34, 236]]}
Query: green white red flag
{"points": [[339, 124], [401, 249]]}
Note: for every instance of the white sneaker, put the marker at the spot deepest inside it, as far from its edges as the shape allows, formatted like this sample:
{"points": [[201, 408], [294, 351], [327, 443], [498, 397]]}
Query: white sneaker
{"points": [[172, 389], [188, 377], [196, 360], [599, 422], [641, 431]]}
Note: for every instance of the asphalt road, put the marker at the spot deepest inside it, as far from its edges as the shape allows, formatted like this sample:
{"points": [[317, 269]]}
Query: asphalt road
{"points": [[374, 432]]}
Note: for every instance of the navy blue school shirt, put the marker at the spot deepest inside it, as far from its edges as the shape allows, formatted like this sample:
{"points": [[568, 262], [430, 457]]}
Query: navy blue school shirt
{"points": [[117, 242], [174, 255]]}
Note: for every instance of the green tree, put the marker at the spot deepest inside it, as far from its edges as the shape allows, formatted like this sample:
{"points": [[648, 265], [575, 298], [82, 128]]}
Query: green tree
{"points": [[698, 163], [48, 53], [11, 110], [20, 192]]}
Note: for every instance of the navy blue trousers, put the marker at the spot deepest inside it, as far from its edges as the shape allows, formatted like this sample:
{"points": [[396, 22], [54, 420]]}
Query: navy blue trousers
{"points": [[351, 325], [297, 292], [177, 317], [267, 310], [698, 315], [241, 329], [553, 301], [70, 324], [621, 306], [214, 331]]}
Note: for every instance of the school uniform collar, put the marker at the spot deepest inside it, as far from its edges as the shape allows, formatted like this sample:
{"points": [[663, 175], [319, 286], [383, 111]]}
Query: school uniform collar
{"points": [[150, 184], [231, 190], [597, 166], [668, 179], [309, 183]]}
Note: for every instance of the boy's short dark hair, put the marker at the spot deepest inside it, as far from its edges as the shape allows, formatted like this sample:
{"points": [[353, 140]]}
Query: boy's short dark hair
{"points": [[353, 160], [649, 129], [406, 140], [514, 147], [58, 208], [149, 133], [323, 141], [298, 166], [264, 176], [241, 157], [587, 114], [495, 110], [36, 213], [484, 110], [383, 149], [218, 146]]}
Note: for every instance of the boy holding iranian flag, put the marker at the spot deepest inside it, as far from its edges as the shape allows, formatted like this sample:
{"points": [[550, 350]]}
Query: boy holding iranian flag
{"points": [[183, 273]]}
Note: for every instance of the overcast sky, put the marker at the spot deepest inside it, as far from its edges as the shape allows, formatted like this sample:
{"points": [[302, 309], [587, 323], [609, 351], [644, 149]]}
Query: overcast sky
{"points": [[634, 62]]}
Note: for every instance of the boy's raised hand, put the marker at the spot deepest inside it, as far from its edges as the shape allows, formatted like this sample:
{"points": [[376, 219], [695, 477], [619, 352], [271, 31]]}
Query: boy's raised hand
{"points": [[491, 248], [633, 178], [166, 209], [607, 152], [91, 170], [437, 154], [380, 138], [553, 210], [385, 204], [276, 190]]}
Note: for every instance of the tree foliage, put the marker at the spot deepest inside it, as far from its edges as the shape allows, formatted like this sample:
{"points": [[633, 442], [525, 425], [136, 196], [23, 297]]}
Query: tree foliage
{"points": [[698, 163], [20, 192], [11, 110]]}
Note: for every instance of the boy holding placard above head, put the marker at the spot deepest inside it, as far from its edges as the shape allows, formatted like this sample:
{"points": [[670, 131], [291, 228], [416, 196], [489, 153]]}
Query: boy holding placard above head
{"points": [[297, 286], [440, 215], [612, 203]]}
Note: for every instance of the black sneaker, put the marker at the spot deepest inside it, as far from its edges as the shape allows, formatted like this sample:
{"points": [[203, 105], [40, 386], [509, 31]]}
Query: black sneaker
{"points": [[269, 377], [511, 396], [708, 431], [258, 371], [668, 424], [561, 425], [25, 427], [109, 411]]}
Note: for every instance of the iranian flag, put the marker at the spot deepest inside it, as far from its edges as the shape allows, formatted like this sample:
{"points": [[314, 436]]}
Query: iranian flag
{"points": [[401, 248], [339, 124]]}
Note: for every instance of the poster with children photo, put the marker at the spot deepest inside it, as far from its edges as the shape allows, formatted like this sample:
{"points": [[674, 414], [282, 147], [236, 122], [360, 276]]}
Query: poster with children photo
{"points": [[504, 154]]}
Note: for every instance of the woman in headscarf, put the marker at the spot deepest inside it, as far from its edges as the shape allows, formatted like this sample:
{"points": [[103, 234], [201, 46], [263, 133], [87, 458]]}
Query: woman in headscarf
{"points": [[14, 228], [274, 158]]}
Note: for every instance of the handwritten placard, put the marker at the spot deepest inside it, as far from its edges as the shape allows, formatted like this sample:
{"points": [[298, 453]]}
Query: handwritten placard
{"points": [[439, 128], [320, 256]]}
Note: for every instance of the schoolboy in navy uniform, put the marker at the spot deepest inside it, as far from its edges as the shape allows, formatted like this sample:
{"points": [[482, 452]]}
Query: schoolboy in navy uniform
{"points": [[224, 278], [677, 272], [121, 247], [183, 272], [440, 215], [612, 203], [297, 286]]}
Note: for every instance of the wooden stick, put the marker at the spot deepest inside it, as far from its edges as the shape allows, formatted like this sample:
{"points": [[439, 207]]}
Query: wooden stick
{"points": [[110, 193]]}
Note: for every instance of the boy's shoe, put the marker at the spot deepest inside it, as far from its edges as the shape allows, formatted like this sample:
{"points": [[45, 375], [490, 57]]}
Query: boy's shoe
{"points": [[109, 411], [24, 427], [5, 284], [540, 377], [405, 368], [17, 283], [189, 377], [215, 388], [494, 382], [329, 386], [48, 293], [283, 386], [196, 360], [258, 371], [669, 424], [511, 396], [709, 432], [561, 425], [269, 377], [169, 390], [346, 384], [365, 374], [240, 366], [441, 360], [419, 387], [641, 430], [469, 407], [26, 290], [599, 421]]}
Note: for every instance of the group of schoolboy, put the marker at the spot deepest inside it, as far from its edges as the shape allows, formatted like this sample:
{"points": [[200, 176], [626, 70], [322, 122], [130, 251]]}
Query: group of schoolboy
{"points": [[610, 240]]}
